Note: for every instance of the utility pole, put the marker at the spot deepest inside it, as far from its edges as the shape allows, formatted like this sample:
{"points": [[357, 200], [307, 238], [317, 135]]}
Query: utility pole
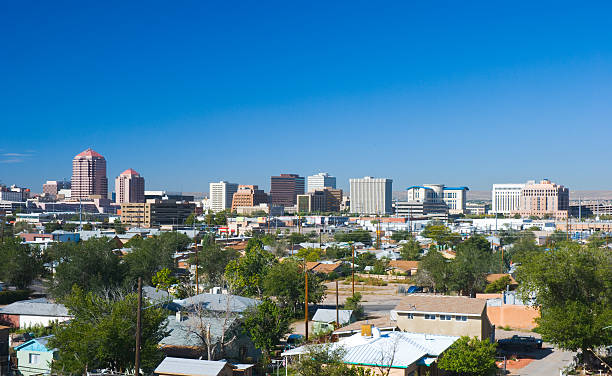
{"points": [[337, 312], [306, 301], [138, 328], [197, 279], [353, 267]]}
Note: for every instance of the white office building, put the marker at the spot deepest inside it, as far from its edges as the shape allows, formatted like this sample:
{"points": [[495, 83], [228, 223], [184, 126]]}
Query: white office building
{"points": [[506, 198], [221, 195], [371, 195], [435, 200], [320, 181]]}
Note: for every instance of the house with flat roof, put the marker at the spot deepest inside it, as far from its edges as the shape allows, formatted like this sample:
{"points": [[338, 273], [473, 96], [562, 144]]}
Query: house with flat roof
{"points": [[444, 315], [193, 367]]}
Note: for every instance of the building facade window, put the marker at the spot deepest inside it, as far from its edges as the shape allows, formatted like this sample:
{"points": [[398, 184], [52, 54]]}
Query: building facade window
{"points": [[461, 318], [430, 317], [445, 317]]}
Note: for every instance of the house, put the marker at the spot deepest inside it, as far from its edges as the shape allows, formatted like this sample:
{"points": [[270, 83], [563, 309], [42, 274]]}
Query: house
{"points": [[405, 354], [324, 267], [193, 367], [404, 266], [495, 276], [383, 323], [186, 333], [26, 313], [444, 315], [219, 313], [4, 350], [324, 319], [508, 309], [35, 357]]}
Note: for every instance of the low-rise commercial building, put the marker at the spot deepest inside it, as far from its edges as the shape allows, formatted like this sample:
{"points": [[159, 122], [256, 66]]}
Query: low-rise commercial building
{"points": [[156, 213], [248, 196]]}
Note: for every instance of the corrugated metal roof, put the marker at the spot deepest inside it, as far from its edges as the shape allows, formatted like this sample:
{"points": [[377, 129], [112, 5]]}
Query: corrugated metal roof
{"points": [[196, 367], [329, 315], [397, 349]]}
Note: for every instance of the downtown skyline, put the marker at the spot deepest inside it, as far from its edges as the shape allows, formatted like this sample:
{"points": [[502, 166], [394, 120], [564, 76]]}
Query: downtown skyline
{"points": [[465, 94]]}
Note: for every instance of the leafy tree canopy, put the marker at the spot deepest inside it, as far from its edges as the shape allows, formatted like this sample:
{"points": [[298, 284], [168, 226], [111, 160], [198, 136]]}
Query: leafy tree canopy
{"points": [[20, 264], [411, 250], [102, 334], [572, 286], [266, 324], [246, 274], [469, 357], [91, 265], [362, 236]]}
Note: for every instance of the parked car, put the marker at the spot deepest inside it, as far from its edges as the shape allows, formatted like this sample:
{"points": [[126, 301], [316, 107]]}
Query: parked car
{"points": [[525, 343]]}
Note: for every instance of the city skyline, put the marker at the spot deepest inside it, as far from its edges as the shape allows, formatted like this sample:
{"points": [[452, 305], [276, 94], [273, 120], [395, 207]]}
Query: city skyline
{"points": [[468, 94]]}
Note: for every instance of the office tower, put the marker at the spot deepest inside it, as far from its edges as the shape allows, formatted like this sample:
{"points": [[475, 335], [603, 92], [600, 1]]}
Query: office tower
{"points": [[285, 188], [248, 196], [320, 181], [52, 187], [129, 187], [544, 199], [221, 195], [89, 176], [506, 198], [371, 195]]}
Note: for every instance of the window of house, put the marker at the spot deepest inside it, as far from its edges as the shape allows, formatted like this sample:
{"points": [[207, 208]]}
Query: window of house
{"points": [[34, 358], [410, 316], [461, 318], [445, 317], [430, 317]]}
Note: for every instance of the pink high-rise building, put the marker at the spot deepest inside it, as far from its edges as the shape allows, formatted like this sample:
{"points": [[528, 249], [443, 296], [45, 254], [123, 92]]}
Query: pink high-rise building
{"points": [[129, 187], [89, 176]]}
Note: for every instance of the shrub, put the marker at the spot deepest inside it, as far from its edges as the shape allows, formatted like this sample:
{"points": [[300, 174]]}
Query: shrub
{"points": [[12, 296]]}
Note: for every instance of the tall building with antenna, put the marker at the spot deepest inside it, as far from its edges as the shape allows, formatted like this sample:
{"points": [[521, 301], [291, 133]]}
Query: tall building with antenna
{"points": [[89, 176]]}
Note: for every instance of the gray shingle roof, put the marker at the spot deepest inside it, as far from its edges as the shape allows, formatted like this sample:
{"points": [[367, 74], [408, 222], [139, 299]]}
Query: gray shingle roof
{"points": [[218, 302], [35, 307]]}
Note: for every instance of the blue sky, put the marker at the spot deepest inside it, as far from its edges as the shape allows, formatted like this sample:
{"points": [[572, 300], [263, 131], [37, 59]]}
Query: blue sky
{"points": [[461, 93]]}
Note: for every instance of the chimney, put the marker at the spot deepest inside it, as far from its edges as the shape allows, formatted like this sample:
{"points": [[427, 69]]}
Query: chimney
{"points": [[179, 316], [366, 330]]}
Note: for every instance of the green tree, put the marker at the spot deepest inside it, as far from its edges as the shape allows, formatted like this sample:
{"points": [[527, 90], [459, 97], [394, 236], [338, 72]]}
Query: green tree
{"points": [[191, 219], [572, 287], [153, 254], [523, 247], [362, 236], [411, 250], [212, 261], [310, 254], [266, 324], [434, 271], [52, 226], [20, 264], [336, 253], [469, 357], [597, 240], [354, 303], [164, 279], [286, 282], [119, 228], [474, 260], [401, 235], [246, 274], [90, 265], [295, 238], [380, 266], [102, 332], [499, 285]]}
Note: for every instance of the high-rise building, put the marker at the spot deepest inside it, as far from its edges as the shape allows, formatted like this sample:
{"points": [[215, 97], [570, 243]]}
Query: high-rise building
{"points": [[89, 176], [52, 187], [544, 199], [506, 198], [285, 188], [129, 187], [221, 195], [371, 195], [320, 181], [248, 196]]}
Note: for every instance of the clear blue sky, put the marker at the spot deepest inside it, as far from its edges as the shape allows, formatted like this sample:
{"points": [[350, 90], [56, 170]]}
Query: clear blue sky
{"points": [[461, 93]]}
